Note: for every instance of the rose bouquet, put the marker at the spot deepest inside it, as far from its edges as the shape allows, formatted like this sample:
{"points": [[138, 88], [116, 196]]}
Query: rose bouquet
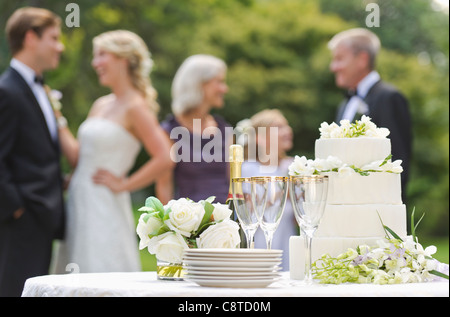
{"points": [[167, 231]]}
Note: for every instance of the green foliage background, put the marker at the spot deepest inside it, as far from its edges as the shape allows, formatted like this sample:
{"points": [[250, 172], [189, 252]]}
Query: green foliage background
{"points": [[277, 57]]}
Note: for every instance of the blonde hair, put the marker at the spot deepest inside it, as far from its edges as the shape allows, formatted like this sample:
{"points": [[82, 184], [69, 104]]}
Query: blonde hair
{"points": [[266, 118], [247, 129], [358, 40], [130, 46], [187, 91]]}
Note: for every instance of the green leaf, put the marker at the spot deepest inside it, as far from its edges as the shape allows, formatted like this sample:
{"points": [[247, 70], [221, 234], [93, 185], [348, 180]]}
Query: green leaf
{"points": [[388, 230], [437, 273], [413, 225], [392, 233], [209, 208], [155, 203], [386, 160], [210, 199], [146, 209]]}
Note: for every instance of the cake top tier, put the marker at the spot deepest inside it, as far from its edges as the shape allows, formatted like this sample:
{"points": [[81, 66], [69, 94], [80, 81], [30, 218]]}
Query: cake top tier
{"points": [[361, 128]]}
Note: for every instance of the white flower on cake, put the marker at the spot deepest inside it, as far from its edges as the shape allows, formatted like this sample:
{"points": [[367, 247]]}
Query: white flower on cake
{"points": [[301, 166], [361, 128], [167, 231]]}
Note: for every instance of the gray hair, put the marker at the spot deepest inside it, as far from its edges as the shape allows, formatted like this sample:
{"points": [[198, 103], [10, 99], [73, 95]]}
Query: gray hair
{"points": [[358, 40], [187, 91]]}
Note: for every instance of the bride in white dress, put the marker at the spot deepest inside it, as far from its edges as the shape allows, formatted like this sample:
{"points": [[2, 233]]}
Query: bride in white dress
{"points": [[100, 233]]}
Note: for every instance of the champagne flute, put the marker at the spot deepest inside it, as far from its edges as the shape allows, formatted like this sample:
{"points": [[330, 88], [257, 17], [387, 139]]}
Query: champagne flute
{"points": [[308, 196], [245, 211], [270, 209]]}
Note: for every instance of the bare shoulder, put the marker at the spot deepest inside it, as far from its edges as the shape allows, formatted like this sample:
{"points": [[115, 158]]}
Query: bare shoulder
{"points": [[100, 103], [138, 106]]}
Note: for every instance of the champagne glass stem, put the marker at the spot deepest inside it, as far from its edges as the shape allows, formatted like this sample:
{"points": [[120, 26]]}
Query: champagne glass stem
{"points": [[308, 259], [269, 238], [308, 274], [250, 235]]}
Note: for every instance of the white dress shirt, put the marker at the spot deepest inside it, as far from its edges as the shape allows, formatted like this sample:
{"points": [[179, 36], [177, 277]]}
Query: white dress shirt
{"points": [[38, 90], [356, 103]]}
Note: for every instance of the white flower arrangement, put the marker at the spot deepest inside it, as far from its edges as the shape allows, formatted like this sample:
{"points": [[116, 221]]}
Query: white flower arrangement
{"points": [[167, 231], [391, 261], [301, 166], [361, 128]]}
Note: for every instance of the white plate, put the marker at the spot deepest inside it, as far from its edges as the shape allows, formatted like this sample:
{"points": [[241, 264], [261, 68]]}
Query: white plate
{"points": [[195, 263], [234, 252], [232, 273], [242, 270], [233, 283], [229, 278], [227, 259]]}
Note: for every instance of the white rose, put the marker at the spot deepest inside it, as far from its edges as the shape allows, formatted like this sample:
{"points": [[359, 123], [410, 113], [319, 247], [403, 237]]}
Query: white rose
{"points": [[221, 212], [185, 216], [145, 228], [225, 234], [168, 247]]}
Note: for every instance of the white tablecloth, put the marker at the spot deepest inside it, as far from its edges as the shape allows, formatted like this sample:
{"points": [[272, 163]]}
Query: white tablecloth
{"points": [[145, 284]]}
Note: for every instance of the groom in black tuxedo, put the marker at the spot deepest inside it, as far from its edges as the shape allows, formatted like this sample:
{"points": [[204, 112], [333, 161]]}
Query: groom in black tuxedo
{"points": [[354, 53], [31, 197]]}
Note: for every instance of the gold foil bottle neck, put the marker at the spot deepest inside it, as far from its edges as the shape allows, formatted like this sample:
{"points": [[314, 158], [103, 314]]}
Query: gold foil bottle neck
{"points": [[236, 153]]}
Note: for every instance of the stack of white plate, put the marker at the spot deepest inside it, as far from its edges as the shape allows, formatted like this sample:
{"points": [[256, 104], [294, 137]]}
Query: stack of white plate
{"points": [[239, 268]]}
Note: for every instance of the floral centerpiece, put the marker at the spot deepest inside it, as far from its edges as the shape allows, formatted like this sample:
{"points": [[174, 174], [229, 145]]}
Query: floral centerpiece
{"points": [[392, 261], [167, 230]]}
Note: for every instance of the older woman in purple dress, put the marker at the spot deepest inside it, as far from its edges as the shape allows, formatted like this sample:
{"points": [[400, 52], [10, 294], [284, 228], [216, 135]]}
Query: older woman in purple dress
{"points": [[198, 137]]}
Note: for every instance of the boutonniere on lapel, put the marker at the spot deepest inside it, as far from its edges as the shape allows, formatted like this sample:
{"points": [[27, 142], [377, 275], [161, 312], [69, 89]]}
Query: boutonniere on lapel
{"points": [[54, 96]]}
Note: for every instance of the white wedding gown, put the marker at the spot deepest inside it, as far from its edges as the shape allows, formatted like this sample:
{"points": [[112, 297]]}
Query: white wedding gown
{"points": [[100, 230]]}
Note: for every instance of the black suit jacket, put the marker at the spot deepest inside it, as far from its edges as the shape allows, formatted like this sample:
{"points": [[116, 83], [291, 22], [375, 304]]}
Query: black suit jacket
{"points": [[30, 178], [388, 108]]}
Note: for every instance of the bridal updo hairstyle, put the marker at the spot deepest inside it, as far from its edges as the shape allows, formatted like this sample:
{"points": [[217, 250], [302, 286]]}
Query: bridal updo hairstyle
{"points": [[130, 46], [187, 90]]}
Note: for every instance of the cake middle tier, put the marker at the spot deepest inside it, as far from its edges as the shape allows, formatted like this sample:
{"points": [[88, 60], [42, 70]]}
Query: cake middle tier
{"points": [[354, 151], [355, 189], [354, 221]]}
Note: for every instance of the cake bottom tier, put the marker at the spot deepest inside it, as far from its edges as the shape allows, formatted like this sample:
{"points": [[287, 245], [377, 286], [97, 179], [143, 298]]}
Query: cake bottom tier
{"points": [[334, 246], [355, 221]]}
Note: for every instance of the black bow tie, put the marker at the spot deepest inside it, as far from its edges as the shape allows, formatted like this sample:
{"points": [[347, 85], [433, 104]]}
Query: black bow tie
{"points": [[350, 93], [39, 80]]}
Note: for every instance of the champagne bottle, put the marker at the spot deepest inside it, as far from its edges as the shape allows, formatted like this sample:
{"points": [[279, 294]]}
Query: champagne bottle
{"points": [[236, 159]]}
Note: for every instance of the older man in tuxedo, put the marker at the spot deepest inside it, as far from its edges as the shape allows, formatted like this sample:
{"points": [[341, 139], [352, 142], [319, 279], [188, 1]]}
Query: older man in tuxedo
{"points": [[354, 55], [31, 198]]}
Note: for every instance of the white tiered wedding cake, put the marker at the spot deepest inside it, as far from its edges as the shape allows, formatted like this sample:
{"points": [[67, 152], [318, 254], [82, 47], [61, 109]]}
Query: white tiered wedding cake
{"points": [[364, 187]]}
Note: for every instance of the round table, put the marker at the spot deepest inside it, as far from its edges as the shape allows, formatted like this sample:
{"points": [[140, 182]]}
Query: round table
{"points": [[145, 284]]}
